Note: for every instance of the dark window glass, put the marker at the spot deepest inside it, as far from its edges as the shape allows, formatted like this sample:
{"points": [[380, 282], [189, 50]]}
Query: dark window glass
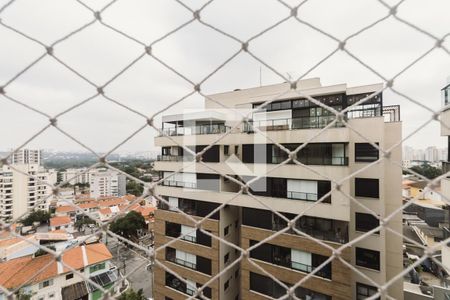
{"points": [[367, 187], [226, 258], [203, 265], [248, 154], [365, 222], [262, 252], [226, 285], [226, 230], [368, 258], [69, 276], [203, 238], [226, 149], [257, 218], [323, 187], [365, 152], [364, 291]]}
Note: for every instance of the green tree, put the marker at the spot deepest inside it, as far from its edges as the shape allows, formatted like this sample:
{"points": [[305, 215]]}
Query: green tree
{"points": [[134, 188], [426, 170], [83, 221], [132, 295], [40, 216], [128, 225]]}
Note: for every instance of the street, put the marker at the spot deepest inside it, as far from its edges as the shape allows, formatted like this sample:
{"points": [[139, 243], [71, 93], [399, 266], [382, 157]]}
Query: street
{"points": [[126, 261]]}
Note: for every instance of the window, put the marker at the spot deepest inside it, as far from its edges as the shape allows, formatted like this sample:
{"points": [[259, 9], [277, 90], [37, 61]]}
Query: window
{"points": [[367, 187], [301, 260], [226, 230], [365, 152], [186, 259], [226, 258], [364, 291], [46, 283], [236, 274], [236, 150], [226, 150], [366, 222], [368, 258], [188, 233], [51, 295], [69, 276], [226, 285]]}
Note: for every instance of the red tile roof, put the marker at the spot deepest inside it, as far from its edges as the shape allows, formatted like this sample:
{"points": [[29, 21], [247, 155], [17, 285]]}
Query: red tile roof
{"points": [[31, 270]]}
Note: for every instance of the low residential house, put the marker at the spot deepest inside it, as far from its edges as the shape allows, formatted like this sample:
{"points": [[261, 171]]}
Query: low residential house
{"points": [[105, 214], [42, 277], [14, 247], [66, 210], [63, 222]]}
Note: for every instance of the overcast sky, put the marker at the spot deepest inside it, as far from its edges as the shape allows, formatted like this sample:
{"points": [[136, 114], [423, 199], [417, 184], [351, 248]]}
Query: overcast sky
{"points": [[291, 48]]}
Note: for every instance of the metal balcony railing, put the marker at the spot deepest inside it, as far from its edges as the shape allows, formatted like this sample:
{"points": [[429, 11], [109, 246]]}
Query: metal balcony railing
{"points": [[195, 130], [174, 183], [291, 123]]}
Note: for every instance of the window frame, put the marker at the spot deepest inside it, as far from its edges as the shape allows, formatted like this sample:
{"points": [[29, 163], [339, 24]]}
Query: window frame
{"points": [[359, 255], [359, 216], [361, 185], [368, 150]]}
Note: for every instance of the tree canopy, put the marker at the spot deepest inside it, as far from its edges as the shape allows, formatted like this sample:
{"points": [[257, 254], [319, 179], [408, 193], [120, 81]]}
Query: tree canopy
{"points": [[128, 225], [40, 216], [427, 170], [132, 295]]}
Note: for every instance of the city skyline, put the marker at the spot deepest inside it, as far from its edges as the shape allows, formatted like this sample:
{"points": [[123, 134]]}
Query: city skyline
{"points": [[148, 86]]}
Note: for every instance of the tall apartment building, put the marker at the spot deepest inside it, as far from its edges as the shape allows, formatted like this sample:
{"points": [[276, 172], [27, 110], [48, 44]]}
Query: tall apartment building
{"points": [[445, 183], [20, 193], [26, 156], [105, 183], [76, 176], [287, 190]]}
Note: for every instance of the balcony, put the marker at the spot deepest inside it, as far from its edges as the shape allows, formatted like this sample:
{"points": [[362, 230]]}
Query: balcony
{"points": [[183, 184], [195, 130], [282, 256], [321, 161], [190, 234], [175, 158], [181, 262], [291, 124], [302, 196], [193, 208]]}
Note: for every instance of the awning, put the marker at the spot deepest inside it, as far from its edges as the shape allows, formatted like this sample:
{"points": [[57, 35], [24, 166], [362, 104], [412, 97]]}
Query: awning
{"points": [[75, 291]]}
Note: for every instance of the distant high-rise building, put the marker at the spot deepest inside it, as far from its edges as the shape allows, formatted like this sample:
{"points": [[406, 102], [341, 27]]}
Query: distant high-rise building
{"points": [[408, 153], [431, 154], [104, 183], [26, 156], [25, 185], [76, 176]]}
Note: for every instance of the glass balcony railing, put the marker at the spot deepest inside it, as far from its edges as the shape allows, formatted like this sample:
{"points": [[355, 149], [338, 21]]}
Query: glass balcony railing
{"points": [[195, 130], [325, 161], [292, 123], [184, 184], [325, 235], [174, 158], [302, 196]]}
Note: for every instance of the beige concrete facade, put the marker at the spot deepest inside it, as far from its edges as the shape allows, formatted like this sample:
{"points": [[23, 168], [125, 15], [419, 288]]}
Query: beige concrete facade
{"points": [[342, 284]]}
